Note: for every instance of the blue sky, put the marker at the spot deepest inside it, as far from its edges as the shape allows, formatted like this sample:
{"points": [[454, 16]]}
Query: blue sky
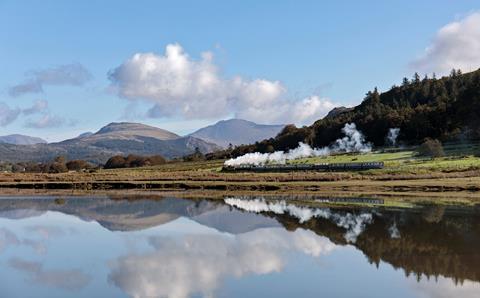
{"points": [[291, 56]]}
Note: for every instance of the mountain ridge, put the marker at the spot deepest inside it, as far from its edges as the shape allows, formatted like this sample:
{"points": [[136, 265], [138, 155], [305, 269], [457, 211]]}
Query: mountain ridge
{"points": [[113, 139], [236, 132], [19, 139]]}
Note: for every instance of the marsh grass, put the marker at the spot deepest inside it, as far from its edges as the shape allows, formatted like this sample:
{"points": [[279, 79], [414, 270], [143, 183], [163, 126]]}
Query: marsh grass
{"points": [[404, 171]]}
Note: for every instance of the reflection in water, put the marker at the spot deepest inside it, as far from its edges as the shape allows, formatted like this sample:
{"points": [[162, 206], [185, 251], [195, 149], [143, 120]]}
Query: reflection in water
{"points": [[446, 288], [169, 247], [354, 224], [432, 243], [192, 264], [393, 230], [66, 279]]}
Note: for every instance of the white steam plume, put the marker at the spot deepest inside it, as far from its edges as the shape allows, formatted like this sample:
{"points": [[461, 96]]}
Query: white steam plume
{"points": [[354, 224], [392, 136], [354, 141]]}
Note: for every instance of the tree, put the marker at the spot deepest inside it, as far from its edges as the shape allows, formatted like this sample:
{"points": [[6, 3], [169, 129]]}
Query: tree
{"points": [[156, 160], [115, 162], [59, 159], [431, 147], [416, 78], [77, 165], [57, 167]]}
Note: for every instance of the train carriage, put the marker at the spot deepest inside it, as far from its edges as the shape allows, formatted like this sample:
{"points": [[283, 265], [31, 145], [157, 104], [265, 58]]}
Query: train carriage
{"points": [[352, 166]]}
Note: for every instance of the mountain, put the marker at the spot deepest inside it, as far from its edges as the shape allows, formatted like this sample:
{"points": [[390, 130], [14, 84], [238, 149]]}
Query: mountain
{"points": [[236, 132], [85, 134], [126, 130], [17, 139], [113, 139], [447, 109]]}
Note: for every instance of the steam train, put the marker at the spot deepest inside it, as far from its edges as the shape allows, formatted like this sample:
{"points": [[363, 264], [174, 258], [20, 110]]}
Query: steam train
{"points": [[350, 166]]}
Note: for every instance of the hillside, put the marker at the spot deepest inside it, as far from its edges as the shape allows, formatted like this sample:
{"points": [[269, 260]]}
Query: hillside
{"points": [[447, 109], [113, 139], [236, 132], [17, 139]]}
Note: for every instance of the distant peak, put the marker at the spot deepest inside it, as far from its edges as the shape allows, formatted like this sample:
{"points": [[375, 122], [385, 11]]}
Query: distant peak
{"points": [[134, 129], [19, 139], [119, 126]]}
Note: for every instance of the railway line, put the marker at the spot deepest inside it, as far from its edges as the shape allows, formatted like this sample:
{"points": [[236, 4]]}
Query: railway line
{"points": [[339, 167]]}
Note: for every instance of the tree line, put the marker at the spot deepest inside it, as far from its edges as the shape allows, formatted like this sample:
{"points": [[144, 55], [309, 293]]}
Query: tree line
{"points": [[60, 165], [445, 109]]}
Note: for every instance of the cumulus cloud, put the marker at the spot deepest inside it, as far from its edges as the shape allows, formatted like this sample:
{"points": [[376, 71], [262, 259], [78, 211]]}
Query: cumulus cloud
{"points": [[178, 267], [68, 74], [64, 279], [7, 114], [456, 45], [178, 85]]}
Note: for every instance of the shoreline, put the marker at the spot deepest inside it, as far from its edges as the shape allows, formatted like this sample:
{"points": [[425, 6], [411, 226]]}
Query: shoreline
{"points": [[468, 184]]}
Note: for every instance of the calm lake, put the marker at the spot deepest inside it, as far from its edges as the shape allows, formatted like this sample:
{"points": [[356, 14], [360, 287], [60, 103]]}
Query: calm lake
{"points": [[236, 247]]}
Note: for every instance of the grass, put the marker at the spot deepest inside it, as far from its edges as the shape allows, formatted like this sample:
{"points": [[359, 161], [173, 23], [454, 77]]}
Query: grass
{"points": [[403, 172]]}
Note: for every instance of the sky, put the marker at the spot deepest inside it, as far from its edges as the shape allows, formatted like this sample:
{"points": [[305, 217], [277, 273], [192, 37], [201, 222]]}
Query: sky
{"points": [[69, 67]]}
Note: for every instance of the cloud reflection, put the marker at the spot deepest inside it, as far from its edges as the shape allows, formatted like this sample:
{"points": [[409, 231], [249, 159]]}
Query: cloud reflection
{"points": [[8, 239], [445, 288], [196, 264], [65, 279]]}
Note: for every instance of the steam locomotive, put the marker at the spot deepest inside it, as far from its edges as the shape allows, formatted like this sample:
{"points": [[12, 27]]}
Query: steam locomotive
{"points": [[350, 166]]}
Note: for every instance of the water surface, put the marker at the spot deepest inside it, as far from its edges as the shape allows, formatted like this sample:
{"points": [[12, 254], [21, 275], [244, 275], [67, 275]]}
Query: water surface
{"points": [[237, 247]]}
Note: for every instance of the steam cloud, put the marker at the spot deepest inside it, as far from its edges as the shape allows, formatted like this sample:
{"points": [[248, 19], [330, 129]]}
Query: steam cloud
{"points": [[354, 224], [393, 135], [354, 141]]}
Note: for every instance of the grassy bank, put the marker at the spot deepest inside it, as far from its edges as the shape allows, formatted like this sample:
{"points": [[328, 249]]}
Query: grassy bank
{"points": [[403, 172]]}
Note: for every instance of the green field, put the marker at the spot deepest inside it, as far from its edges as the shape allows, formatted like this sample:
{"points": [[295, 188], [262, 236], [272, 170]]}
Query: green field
{"points": [[457, 158], [404, 172]]}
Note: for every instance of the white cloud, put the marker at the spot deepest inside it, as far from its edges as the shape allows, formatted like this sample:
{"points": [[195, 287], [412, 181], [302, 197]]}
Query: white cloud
{"points": [[68, 74], [7, 114], [178, 85], [456, 45], [180, 267]]}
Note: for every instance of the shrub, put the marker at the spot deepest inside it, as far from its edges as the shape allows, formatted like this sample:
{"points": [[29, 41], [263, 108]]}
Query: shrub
{"points": [[133, 161], [78, 165], [156, 160], [115, 162], [431, 147], [57, 167]]}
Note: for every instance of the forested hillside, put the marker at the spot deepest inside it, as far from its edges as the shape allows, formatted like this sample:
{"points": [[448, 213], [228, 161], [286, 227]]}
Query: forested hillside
{"points": [[446, 109]]}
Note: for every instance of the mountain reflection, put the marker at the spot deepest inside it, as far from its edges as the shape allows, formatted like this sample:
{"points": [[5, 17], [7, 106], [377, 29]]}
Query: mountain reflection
{"points": [[241, 237]]}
